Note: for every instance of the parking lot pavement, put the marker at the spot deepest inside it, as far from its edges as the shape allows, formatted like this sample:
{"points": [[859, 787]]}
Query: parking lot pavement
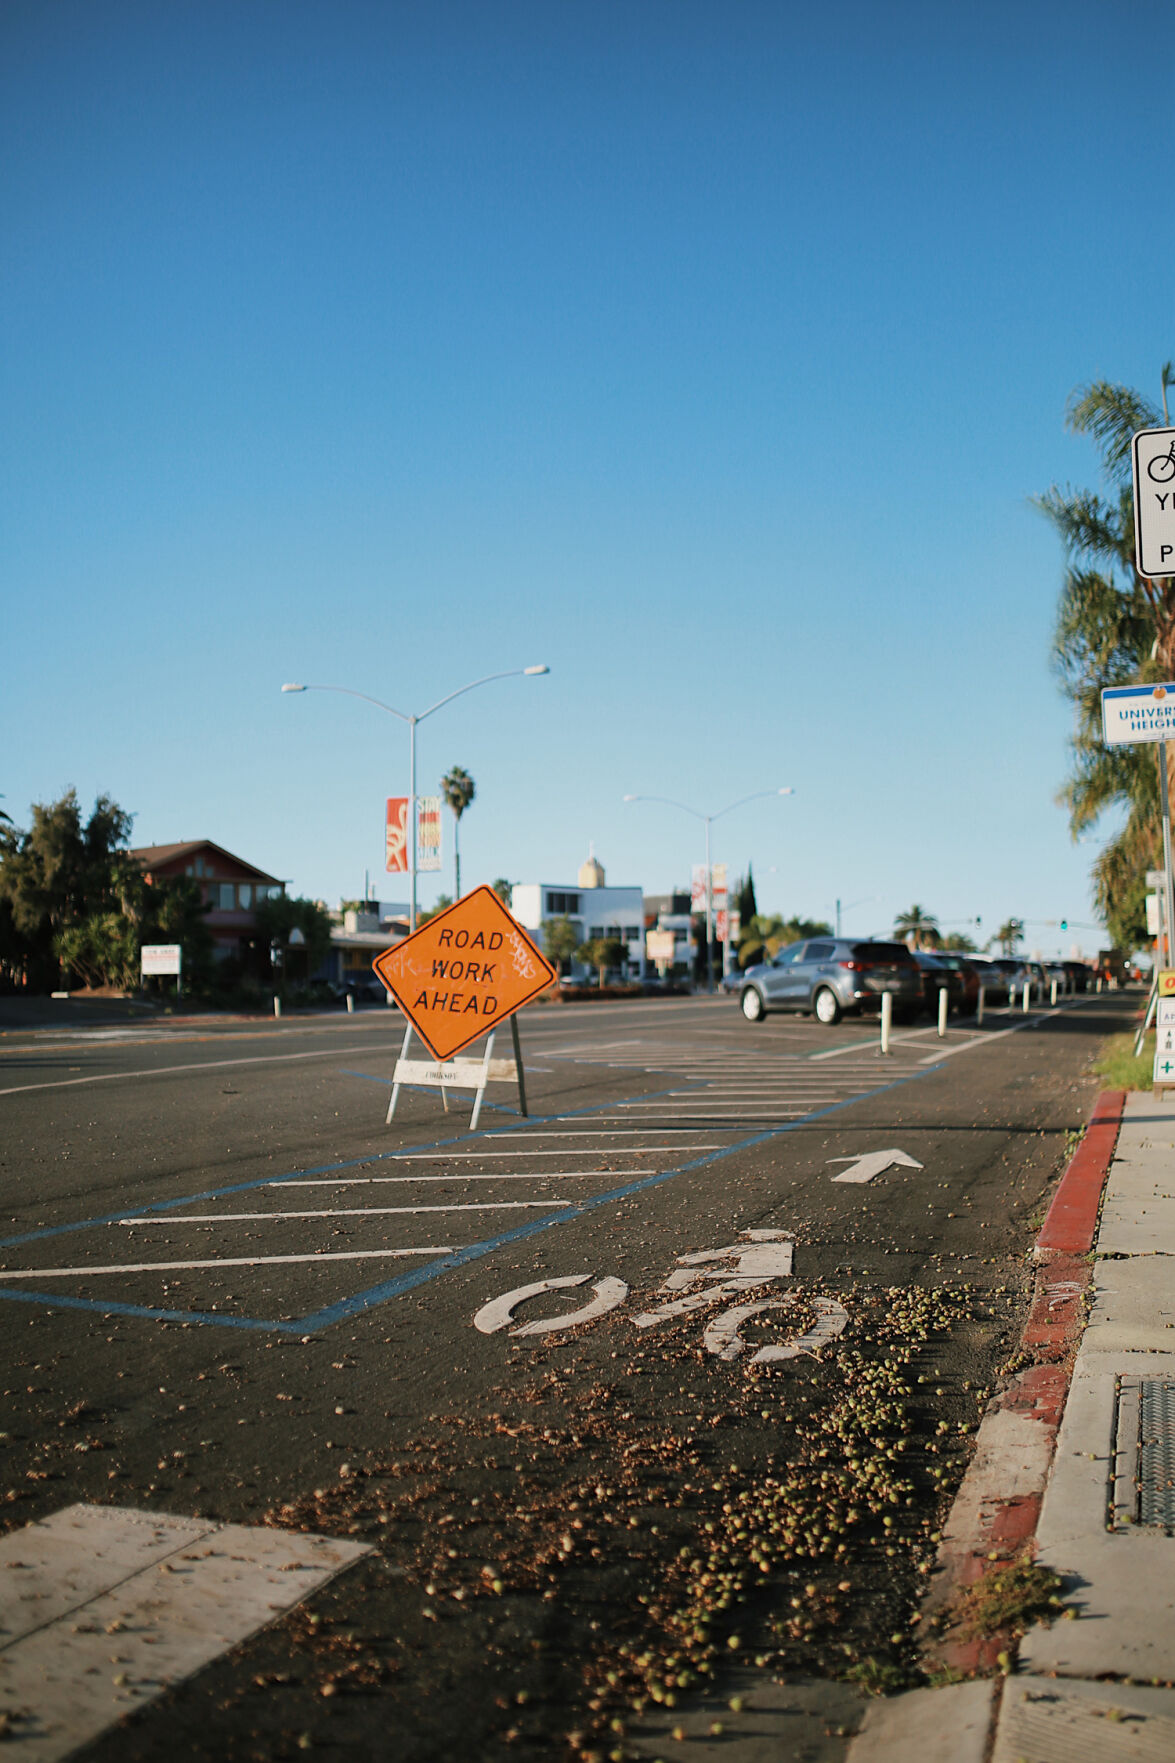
{"points": [[185, 1210]]}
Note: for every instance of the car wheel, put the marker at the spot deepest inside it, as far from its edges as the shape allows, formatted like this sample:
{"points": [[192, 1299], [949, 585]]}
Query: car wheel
{"points": [[827, 1007], [753, 1007]]}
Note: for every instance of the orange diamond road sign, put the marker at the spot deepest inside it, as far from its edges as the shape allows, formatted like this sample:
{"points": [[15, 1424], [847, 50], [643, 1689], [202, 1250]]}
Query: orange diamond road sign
{"points": [[466, 970]]}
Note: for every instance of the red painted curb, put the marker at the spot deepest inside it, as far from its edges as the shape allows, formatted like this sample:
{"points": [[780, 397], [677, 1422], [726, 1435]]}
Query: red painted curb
{"points": [[1072, 1218], [1005, 1525]]}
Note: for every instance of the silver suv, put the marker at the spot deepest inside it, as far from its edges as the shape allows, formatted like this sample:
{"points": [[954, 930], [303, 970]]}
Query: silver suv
{"points": [[830, 975]]}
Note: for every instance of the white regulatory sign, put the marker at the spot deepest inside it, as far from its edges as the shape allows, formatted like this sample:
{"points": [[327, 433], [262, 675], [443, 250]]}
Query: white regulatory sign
{"points": [[1154, 501], [161, 957], [1138, 713]]}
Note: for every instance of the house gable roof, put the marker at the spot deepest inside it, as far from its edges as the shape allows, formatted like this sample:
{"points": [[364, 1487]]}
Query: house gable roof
{"points": [[149, 857]]}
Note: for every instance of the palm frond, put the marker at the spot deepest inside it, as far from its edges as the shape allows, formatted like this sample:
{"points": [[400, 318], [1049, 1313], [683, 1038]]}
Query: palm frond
{"points": [[1110, 414]]}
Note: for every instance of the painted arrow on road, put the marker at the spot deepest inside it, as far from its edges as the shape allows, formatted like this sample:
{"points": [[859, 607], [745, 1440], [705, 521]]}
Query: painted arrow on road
{"points": [[873, 1163]]}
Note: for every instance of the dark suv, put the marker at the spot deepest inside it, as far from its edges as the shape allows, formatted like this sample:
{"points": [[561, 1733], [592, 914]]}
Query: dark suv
{"points": [[831, 975]]}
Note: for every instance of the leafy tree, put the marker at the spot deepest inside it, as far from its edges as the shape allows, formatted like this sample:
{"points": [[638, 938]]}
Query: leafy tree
{"points": [[282, 913], [917, 927], [959, 942], [1009, 934], [60, 872], [602, 953], [443, 902], [458, 789], [560, 940], [1114, 627], [763, 937]]}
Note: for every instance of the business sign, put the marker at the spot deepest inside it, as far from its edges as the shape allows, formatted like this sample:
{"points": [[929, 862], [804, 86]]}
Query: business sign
{"points": [[155, 958], [1138, 713], [1167, 982], [1166, 1013], [396, 835], [1154, 501], [660, 945], [464, 972], [428, 832]]}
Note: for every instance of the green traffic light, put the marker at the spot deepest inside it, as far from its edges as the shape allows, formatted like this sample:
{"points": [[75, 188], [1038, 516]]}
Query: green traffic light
{"points": [[1064, 924]]}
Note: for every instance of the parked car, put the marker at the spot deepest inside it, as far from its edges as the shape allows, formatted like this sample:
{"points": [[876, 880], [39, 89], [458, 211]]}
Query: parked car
{"points": [[1078, 975], [991, 977], [364, 991], [828, 976], [939, 976], [968, 976]]}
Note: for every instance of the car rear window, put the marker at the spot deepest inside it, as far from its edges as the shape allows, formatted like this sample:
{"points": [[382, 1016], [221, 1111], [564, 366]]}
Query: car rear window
{"points": [[881, 952]]}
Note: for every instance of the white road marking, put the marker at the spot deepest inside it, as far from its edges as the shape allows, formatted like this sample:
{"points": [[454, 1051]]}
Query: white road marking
{"points": [[764, 1256], [484, 1156], [343, 1181], [103, 1608], [333, 1212], [241, 1261], [722, 1337], [500, 1311], [864, 1167], [110, 1077]]}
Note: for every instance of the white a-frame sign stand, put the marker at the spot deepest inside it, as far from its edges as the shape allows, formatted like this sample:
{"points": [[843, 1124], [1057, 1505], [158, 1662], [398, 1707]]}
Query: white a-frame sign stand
{"points": [[460, 1074]]}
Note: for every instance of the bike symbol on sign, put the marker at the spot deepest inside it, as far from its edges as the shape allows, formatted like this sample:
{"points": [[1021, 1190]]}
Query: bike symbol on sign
{"points": [[1161, 469]]}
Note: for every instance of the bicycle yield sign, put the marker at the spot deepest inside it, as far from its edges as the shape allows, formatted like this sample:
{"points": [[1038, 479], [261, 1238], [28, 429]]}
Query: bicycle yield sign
{"points": [[1154, 501], [466, 970]]}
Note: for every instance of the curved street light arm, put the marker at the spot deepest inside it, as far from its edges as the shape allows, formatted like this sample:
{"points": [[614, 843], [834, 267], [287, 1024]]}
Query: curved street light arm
{"points": [[511, 673], [685, 809], [758, 795], [350, 692]]}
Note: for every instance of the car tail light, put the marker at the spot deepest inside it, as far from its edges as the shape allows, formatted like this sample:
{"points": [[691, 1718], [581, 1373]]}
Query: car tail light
{"points": [[856, 966]]}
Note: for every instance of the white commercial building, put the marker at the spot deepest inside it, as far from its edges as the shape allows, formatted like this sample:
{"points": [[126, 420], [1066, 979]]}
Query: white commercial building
{"points": [[595, 909]]}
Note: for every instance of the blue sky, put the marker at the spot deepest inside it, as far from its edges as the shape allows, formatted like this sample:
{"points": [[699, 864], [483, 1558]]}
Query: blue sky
{"points": [[708, 354]]}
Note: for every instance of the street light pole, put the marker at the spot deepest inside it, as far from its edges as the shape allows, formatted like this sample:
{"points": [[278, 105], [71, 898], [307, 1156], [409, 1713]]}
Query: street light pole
{"points": [[755, 796], [412, 720]]}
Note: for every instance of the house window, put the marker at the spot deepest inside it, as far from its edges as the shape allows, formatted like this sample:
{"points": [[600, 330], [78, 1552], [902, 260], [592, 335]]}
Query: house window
{"points": [[226, 896], [245, 895], [558, 903]]}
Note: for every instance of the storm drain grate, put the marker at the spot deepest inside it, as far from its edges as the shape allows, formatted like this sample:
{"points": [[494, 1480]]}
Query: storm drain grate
{"points": [[1144, 1456]]}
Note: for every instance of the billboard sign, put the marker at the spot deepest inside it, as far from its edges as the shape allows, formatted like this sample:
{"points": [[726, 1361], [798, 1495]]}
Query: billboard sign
{"points": [[155, 958]]}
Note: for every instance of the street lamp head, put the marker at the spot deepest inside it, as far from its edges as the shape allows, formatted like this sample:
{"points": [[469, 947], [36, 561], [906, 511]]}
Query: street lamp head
{"points": [[787, 790], [632, 798], [293, 688], [541, 668]]}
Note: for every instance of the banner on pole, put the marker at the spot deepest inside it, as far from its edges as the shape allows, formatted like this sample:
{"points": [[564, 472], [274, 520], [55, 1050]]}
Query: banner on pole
{"points": [[697, 891], [396, 835], [428, 832], [718, 886]]}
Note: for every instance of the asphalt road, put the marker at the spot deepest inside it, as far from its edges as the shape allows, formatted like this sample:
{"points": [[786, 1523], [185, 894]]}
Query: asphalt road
{"points": [[228, 1288]]}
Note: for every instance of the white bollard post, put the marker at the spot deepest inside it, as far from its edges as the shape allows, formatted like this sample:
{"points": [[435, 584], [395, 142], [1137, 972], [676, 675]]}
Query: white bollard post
{"points": [[277, 1005], [388, 999], [1027, 995], [350, 1003], [979, 1003], [943, 1007], [1053, 995], [886, 1019], [1099, 982]]}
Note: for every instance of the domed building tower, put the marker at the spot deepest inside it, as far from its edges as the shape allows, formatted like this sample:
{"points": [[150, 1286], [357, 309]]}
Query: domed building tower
{"points": [[591, 873]]}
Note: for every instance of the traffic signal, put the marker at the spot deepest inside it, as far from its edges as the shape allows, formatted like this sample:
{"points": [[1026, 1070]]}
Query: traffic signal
{"points": [[1064, 924]]}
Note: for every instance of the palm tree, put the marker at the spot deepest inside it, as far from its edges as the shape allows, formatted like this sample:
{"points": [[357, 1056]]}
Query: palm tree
{"points": [[1114, 627], [459, 790], [917, 927]]}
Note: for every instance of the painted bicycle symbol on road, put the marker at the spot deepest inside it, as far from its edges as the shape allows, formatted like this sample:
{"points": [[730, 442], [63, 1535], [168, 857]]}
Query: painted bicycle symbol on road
{"points": [[700, 1281]]}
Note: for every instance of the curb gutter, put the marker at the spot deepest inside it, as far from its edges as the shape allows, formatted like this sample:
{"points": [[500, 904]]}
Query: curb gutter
{"points": [[995, 1513]]}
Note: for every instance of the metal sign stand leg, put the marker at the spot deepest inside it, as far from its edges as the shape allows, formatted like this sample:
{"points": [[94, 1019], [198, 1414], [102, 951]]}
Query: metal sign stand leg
{"points": [[481, 1088], [518, 1066], [395, 1086]]}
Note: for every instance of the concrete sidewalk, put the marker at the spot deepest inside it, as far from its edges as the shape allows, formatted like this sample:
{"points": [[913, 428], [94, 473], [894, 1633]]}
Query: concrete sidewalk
{"points": [[1097, 1684]]}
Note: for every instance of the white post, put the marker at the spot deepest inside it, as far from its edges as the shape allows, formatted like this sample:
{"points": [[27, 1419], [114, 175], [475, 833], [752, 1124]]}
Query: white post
{"points": [[1098, 987], [943, 1007], [1053, 995], [350, 1003], [886, 1019], [411, 823], [979, 1003], [1027, 995], [277, 1005]]}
